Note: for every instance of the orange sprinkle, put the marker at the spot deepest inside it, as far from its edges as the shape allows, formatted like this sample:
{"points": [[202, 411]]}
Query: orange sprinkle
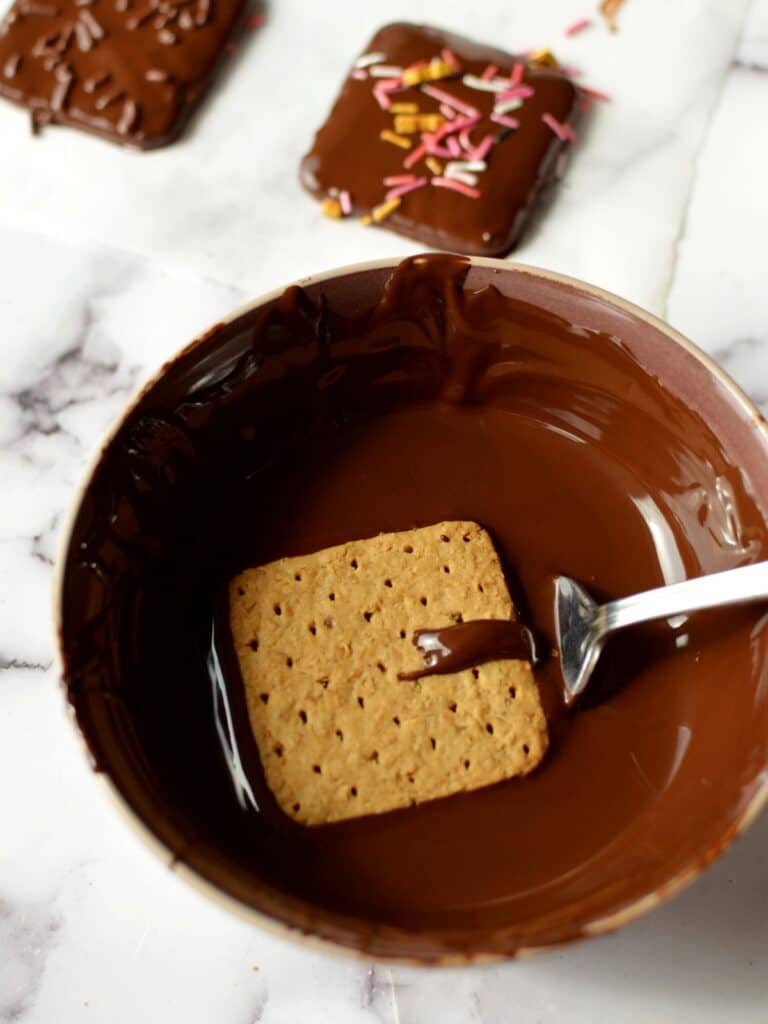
{"points": [[382, 211], [434, 165], [434, 71], [331, 208], [544, 58], [404, 108], [409, 124], [397, 140]]}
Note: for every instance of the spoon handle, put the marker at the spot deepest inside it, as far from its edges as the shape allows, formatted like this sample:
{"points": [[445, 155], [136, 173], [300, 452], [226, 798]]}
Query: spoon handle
{"points": [[734, 586]]}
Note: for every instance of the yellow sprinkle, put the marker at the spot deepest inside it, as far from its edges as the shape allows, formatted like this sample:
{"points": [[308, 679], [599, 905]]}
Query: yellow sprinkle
{"points": [[434, 165], [431, 73], [398, 140], [331, 208], [543, 57], [366, 221], [382, 211], [408, 124], [404, 108]]}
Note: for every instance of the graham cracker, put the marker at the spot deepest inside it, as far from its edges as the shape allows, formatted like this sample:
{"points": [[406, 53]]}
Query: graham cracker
{"points": [[321, 639]]}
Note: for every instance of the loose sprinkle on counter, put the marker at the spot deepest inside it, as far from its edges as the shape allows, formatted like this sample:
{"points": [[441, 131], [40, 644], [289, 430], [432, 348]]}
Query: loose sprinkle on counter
{"points": [[577, 26]]}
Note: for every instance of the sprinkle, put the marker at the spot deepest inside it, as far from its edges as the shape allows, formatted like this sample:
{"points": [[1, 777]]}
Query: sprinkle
{"points": [[369, 58], [609, 9], [345, 202], [465, 140], [594, 94], [366, 221], [256, 21], [507, 105], [121, 6], [12, 65], [464, 177], [167, 38], [91, 24], [385, 71], [83, 36], [434, 165], [156, 75], [382, 90], [577, 26], [399, 179], [457, 186], [359, 74], [445, 97], [464, 166], [61, 89], [517, 73], [409, 124], [543, 57], [404, 108], [481, 151], [563, 131], [128, 117], [397, 140], [331, 208], [490, 72], [84, 3], [517, 92], [186, 21], [453, 146], [485, 84], [106, 101], [434, 71], [450, 58], [507, 122], [402, 190], [138, 19], [92, 84], [448, 112], [381, 212], [414, 157], [43, 10]]}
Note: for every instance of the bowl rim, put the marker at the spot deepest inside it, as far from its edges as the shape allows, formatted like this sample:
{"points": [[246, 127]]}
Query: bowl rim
{"points": [[273, 925]]}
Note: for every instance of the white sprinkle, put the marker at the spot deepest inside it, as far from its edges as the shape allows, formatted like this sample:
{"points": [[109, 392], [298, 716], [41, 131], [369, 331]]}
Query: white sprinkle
{"points": [[463, 166], [506, 105], [370, 58], [466, 179], [385, 71], [492, 85]]}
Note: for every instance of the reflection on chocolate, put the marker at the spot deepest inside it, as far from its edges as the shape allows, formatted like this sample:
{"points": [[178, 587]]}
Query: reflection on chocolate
{"points": [[379, 402], [467, 644]]}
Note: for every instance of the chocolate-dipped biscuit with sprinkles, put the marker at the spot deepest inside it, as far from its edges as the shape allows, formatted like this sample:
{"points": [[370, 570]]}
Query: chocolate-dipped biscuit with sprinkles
{"points": [[443, 140], [128, 70]]}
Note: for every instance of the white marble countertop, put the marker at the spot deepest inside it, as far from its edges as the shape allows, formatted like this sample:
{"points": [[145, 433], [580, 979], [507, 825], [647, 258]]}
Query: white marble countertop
{"points": [[111, 260]]}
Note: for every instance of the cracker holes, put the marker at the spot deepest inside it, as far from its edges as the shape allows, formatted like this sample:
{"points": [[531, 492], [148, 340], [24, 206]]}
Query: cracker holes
{"points": [[317, 769], [367, 616], [340, 734], [475, 673], [408, 549], [277, 610], [423, 600], [303, 716], [328, 622], [360, 702], [388, 583], [254, 644], [279, 749], [466, 765], [264, 698], [296, 808], [444, 538], [396, 720], [403, 634], [297, 577], [489, 728], [353, 791], [312, 628], [433, 741], [381, 666], [289, 662], [323, 682], [411, 776], [446, 568], [354, 563], [526, 749], [331, 597], [481, 588], [466, 538], [453, 706], [241, 591], [512, 692], [374, 756], [457, 617]]}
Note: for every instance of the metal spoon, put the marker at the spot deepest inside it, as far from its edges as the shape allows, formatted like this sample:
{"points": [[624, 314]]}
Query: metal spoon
{"points": [[582, 626]]}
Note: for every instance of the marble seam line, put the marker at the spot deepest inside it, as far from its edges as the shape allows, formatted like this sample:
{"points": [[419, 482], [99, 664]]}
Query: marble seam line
{"points": [[694, 174]]}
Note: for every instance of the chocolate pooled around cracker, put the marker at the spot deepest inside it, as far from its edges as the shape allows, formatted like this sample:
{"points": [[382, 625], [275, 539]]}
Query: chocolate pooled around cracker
{"points": [[322, 640], [130, 71], [443, 140]]}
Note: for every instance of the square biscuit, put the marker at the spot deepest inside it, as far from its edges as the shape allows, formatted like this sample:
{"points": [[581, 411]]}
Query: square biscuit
{"points": [[320, 640]]}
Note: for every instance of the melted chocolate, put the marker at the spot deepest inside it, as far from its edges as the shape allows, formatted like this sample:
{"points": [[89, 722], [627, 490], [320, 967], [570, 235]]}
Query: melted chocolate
{"points": [[384, 400], [128, 70], [466, 644], [348, 153]]}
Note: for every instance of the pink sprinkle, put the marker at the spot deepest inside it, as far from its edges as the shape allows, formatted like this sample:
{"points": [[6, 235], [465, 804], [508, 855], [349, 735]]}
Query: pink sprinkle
{"points": [[569, 70], [447, 111], [256, 21], [517, 92], [453, 146], [517, 73], [360, 74], [480, 152], [457, 186], [464, 139], [414, 156], [383, 88], [563, 131], [507, 122], [450, 58], [595, 95], [404, 189], [399, 179], [577, 26], [445, 97], [345, 202], [489, 72]]}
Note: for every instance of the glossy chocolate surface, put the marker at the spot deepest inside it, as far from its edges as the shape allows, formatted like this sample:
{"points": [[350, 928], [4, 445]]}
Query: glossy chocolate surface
{"points": [[348, 154], [128, 70], [466, 644], [385, 400]]}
